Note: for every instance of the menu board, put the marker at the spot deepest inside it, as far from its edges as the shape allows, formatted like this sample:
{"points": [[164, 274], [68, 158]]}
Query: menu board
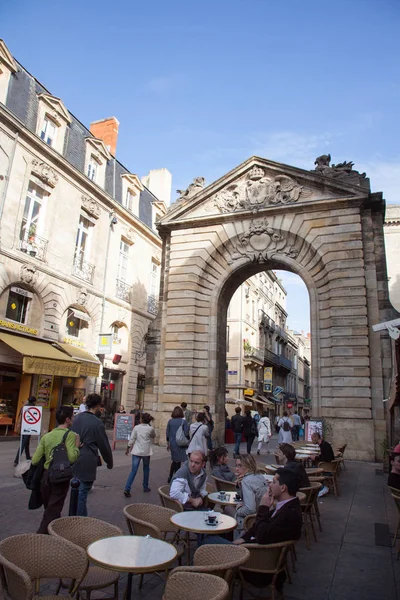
{"points": [[123, 425], [313, 427], [43, 394]]}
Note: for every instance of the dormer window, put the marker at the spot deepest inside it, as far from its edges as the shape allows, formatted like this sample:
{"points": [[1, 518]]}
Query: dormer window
{"points": [[92, 168], [97, 156], [49, 131], [131, 188], [129, 199]]}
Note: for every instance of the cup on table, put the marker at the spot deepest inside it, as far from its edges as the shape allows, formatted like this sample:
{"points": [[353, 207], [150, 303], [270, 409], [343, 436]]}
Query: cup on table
{"points": [[222, 495], [238, 497], [211, 517]]}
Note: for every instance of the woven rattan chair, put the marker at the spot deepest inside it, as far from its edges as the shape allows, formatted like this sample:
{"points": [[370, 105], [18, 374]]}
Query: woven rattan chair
{"points": [[83, 531], [196, 586], [168, 502], [396, 498], [308, 509], [331, 474], [270, 471], [341, 449], [249, 521], [265, 559], [26, 559], [224, 486]]}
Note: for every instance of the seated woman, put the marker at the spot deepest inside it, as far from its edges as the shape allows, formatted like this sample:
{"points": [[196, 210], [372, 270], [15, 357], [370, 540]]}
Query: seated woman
{"points": [[252, 487], [219, 464], [286, 456]]}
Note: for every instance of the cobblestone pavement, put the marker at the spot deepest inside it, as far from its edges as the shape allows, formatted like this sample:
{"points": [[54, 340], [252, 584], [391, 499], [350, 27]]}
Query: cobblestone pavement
{"points": [[345, 563]]}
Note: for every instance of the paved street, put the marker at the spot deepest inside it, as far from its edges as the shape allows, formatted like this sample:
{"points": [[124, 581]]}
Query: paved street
{"points": [[346, 563]]}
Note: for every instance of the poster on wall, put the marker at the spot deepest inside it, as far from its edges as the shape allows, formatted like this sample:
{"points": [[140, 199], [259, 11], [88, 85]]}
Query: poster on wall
{"points": [[313, 427], [43, 394], [268, 379]]}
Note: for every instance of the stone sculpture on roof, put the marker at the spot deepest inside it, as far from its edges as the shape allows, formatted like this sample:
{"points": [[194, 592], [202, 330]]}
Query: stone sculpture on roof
{"points": [[343, 170], [193, 189]]}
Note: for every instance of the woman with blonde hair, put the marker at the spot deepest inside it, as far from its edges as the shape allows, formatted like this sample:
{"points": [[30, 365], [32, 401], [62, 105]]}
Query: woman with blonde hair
{"points": [[252, 486], [140, 446]]}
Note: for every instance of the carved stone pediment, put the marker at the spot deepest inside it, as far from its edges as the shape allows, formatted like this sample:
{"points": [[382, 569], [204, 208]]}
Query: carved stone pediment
{"points": [[57, 108], [44, 172], [259, 241], [91, 207]]}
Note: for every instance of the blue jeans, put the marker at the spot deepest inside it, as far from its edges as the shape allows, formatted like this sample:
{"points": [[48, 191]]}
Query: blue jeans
{"points": [[135, 465], [83, 491], [238, 439]]}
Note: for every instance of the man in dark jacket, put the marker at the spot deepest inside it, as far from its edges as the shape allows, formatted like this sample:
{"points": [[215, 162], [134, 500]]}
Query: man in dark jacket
{"points": [[325, 449], [93, 440], [237, 428]]}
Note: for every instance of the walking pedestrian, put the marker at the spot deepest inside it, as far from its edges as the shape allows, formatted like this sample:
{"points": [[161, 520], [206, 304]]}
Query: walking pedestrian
{"points": [[199, 433], [210, 424], [296, 426], [186, 412], [93, 440], [264, 432], [249, 429], [54, 494], [285, 429], [237, 428], [141, 443], [178, 453], [26, 439]]}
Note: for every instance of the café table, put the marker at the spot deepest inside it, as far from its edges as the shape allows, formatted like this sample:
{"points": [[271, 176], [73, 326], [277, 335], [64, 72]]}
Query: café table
{"points": [[229, 499], [193, 521], [132, 554]]}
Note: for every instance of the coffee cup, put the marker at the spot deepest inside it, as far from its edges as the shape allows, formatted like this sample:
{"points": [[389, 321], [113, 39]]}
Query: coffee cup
{"points": [[222, 495], [212, 519], [237, 496]]}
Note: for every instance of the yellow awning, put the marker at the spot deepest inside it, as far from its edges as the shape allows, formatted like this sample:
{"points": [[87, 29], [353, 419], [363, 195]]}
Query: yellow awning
{"points": [[90, 366], [41, 358]]}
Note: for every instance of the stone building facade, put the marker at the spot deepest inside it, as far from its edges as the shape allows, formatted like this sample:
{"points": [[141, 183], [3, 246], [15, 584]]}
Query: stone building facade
{"points": [[79, 255]]}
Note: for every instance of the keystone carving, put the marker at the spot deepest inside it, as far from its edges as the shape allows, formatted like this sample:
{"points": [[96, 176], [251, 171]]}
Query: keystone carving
{"points": [[260, 241], [44, 172], [258, 190], [81, 296], [28, 274], [91, 206]]}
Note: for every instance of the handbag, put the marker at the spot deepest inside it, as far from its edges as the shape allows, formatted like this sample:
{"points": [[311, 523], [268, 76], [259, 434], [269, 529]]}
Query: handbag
{"points": [[180, 437]]}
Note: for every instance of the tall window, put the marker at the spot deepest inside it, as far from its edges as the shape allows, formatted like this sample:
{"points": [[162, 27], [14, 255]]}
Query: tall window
{"points": [[154, 279], [129, 199], [18, 305], [82, 241], [49, 130], [73, 324], [30, 218], [92, 168], [227, 338], [123, 261]]}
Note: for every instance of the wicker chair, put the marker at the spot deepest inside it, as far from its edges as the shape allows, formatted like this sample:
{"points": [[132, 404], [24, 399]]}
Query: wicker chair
{"points": [[331, 474], [217, 559], [268, 559], [83, 531], [396, 498], [224, 486], [167, 501], [270, 471], [28, 558], [341, 449], [196, 586], [308, 508], [249, 521]]}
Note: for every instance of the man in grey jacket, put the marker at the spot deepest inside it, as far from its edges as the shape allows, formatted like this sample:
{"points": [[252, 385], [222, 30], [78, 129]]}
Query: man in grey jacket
{"points": [[93, 440]]}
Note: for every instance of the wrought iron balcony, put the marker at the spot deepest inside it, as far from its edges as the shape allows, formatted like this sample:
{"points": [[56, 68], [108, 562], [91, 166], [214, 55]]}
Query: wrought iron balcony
{"points": [[152, 305], [34, 245], [281, 332], [285, 362], [123, 290], [83, 270], [254, 353], [270, 357], [266, 321]]}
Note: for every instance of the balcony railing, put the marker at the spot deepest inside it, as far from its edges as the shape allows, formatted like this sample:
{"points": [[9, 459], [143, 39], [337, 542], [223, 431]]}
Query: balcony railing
{"points": [[285, 362], [152, 305], [271, 357], [123, 290], [83, 270], [281, 332], [34, 246], [266, 321], [256, 353]]}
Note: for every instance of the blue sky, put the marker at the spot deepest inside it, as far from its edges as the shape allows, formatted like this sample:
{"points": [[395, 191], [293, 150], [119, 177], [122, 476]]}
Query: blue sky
{"points": [[198, 87]]}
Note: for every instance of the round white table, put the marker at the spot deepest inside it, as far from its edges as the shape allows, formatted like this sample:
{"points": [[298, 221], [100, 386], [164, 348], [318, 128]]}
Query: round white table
{"points": [[132, 554], [228, 501], [194, 521]]}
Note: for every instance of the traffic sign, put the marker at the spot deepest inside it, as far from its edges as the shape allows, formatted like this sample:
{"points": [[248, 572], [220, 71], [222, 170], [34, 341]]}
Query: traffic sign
{"points": [[31, 420]]}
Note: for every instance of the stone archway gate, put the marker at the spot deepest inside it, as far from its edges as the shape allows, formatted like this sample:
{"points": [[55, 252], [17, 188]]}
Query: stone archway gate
{"points": [[326, 226]]}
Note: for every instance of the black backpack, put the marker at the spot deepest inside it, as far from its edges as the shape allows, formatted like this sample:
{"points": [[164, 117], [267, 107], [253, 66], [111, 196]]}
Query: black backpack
{"points": [[286, 426], [60, 468]]}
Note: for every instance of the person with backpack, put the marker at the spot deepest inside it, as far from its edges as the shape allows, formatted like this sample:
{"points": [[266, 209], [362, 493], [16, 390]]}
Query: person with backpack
{"points": [[178, 451], [285, 430], [249, 429], [199, 433], [59, 449], [93, 439]]}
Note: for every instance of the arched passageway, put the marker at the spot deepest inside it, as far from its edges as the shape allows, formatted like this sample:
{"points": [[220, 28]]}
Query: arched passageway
{"points": [[325, 226]]}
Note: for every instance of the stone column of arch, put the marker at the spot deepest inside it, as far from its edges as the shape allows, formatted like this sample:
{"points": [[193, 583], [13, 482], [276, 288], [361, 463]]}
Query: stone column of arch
{"points": [[332, 238]]}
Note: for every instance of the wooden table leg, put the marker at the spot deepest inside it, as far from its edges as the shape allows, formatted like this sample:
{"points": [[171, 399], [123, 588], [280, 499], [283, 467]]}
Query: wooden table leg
{"points": [[129, 587]]}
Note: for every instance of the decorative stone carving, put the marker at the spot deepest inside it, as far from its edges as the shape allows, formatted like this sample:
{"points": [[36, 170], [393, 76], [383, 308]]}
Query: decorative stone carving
{"points": [[129, 234], [44, 172], [257, 190], [28, 274], [260, 241], [342, 170], [82, 296], [91, 206], [193, 189]]}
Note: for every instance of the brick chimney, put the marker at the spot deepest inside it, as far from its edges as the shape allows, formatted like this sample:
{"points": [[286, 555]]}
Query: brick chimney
{"points": [[106, 130]]}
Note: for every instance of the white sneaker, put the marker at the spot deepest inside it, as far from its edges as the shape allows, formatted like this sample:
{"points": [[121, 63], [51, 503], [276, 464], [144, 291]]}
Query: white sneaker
{"points": [[323, 492]]}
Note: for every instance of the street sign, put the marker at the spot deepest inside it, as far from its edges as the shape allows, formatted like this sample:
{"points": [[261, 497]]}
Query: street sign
{"points": [[278, 390], [105, 344], [31, 420]]}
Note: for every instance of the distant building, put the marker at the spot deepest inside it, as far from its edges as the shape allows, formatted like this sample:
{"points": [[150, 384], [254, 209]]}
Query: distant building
{"points": [[80, 255], [392, 248]]}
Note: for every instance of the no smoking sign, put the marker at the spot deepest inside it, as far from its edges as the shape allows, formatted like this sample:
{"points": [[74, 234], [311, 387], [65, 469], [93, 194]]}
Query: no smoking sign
{"points": [[31, 420]]}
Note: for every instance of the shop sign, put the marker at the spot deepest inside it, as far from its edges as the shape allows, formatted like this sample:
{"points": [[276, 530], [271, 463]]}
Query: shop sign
{"points": [[31, 420], [73, 342], [43, 394], [18, 327], [290, 404], [249, 392], [278, 390], [105, 343], [21, 292], [267, 385]]}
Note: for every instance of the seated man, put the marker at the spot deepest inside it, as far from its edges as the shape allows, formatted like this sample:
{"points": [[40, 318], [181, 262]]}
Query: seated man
{"points": [[286, 456], [189, 482], [394, 477], [326, 455]]}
